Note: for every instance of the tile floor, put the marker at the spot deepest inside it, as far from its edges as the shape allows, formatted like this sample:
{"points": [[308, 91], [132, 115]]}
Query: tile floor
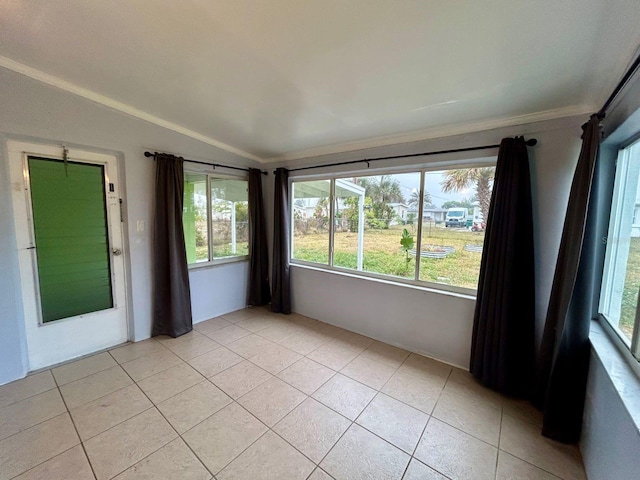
{"points": [[253, 395]]}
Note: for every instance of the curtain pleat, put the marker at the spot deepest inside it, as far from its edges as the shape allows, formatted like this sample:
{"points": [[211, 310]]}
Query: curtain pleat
{"points": [[171, 293], [259, 292], [502, 349], [281, 288], [564, 355]]}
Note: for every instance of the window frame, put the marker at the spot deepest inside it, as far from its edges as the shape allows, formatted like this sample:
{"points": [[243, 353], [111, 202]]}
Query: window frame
{"points": [[212, 262], [488, 161], [622, 160]]}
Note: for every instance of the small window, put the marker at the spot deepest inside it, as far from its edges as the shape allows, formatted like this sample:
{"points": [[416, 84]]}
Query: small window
{"points": [[371, 224], [621, 281], [215, 218]]}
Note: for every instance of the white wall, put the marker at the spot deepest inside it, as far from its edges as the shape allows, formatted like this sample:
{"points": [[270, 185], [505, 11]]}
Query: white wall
{"points": [[436, 324], [36, 112]]}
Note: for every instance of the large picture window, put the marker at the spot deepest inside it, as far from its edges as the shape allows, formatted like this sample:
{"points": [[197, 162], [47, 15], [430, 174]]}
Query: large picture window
{"points": [[425, 226], [215, 217], [621, 281]]}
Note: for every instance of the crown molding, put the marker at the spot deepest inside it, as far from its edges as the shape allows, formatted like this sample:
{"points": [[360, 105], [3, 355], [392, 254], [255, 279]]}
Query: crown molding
{"points": [[54, 81], [433, 133]]}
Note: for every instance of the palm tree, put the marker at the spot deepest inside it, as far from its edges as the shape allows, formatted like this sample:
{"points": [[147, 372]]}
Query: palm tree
{"points": [[414, 200], [455, 180], [381, 191]]}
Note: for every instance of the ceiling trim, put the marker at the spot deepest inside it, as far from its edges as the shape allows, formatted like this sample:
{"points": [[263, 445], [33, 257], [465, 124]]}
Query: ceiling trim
{"points": [[120, 106], [433, 133]]}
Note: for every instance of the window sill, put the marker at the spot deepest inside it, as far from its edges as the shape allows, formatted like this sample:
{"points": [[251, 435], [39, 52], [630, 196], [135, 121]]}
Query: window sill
{"points": [[218, 262], [458, 292], [624, 374]]}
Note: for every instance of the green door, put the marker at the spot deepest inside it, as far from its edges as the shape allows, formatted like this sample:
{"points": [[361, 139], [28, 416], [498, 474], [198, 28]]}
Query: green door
{"points": [[71, 237]]}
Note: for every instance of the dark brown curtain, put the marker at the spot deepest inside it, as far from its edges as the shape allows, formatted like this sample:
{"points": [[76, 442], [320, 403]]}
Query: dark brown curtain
{"points": [[564, 354], [259, 293], [502, 349], [171, 294], [281, 289]]}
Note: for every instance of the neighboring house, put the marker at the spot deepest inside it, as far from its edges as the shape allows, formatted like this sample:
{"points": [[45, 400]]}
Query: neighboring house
{"points": [[434, 214], [400, 212], [635, 224]]}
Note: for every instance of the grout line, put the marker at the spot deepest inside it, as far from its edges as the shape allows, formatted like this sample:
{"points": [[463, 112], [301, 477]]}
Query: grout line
{"points": [[75, 428]]}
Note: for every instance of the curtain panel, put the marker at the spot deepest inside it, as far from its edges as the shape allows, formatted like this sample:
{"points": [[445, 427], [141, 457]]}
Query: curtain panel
{"points": [[564, 355], [281, 288], [171, 292], [259, 290], [502, 349]]}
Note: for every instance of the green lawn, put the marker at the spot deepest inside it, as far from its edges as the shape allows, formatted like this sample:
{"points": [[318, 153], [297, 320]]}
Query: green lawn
{"points": [[630, 292], [383, 254]]}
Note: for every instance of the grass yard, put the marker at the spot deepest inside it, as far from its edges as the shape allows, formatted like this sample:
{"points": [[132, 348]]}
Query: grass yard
{"points": [[383, 254], [630, 292]]}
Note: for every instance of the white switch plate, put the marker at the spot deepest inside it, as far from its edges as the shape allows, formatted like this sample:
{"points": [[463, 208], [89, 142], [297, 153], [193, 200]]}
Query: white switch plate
{"points": [[140, 225]]}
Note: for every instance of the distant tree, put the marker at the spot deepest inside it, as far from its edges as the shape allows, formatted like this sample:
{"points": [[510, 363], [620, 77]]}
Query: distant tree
{"points": [[467, 203], [414, 200], [481, 178], [379, 192]]}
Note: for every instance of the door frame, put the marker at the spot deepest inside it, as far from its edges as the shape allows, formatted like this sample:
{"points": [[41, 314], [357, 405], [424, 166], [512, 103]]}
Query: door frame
{"points": [[18, 153]]}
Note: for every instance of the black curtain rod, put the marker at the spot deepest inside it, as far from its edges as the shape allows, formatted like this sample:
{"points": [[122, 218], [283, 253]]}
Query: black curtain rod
{"points": [[214, 165], [531, 142], [621, 84]]}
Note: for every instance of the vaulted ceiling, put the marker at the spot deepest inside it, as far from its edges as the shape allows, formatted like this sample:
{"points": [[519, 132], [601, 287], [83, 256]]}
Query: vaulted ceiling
{"points": [[274, 79]]}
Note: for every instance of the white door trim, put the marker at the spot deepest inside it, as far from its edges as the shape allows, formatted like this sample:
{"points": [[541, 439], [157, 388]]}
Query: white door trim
{"points": [[73, 337]]}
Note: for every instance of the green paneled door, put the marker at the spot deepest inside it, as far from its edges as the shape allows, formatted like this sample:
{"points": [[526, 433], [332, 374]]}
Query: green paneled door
{"points": [[71, 237]]}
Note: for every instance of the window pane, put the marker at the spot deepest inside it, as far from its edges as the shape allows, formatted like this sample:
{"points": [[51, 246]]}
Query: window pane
{"points": [[387, 204], [621, 282], [229, 217], [311, 221], [455, 205], [349, 224], [194, 217]]}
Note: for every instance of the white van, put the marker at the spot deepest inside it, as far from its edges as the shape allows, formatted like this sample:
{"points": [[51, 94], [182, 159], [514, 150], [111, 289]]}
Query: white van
{"points": [[456, 217]]}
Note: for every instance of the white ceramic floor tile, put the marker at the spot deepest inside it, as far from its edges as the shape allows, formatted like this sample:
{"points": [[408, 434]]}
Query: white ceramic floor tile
{"points": [[208, 327], [94, 386], [275, 358], [26, 387], [229, 334], [117, 449], [26, 413], [394, 421], [224, 436], [169, 382], [83, 368], [456, 454], [214, 362], [336, 357], [312, 428], [360, 454], [240, 379], [319, 474], [174, 461], [469, 415], [99, 415], [345, 396], [131, 351], [418, 392], [270, 458], [189, 345], [306, 375], [370, 372], [383, 353], [72, 464], [36, 445], [187, 409], [419, 471], [272, 400], [250, 345], [144, 367], [523, 440], [426, 368], [304, 342], [512, 468], [463, 383], [243, 314]]}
